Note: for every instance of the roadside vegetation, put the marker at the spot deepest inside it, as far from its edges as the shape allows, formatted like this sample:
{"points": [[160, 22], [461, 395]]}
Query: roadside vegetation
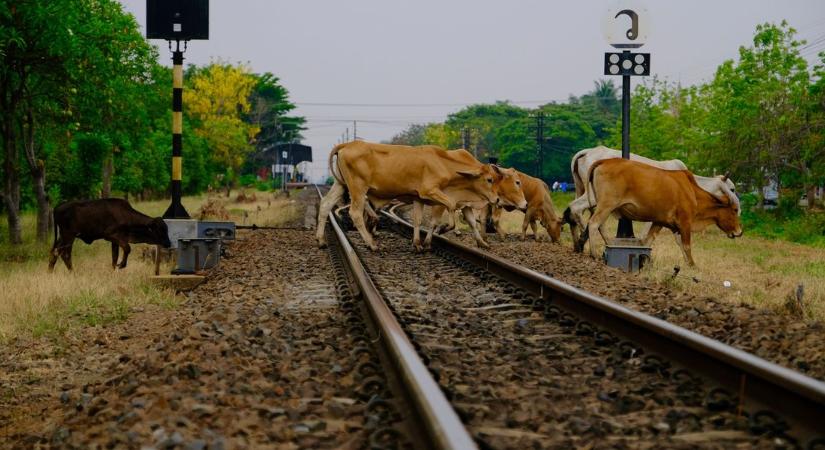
{"points": [[35, 303]]}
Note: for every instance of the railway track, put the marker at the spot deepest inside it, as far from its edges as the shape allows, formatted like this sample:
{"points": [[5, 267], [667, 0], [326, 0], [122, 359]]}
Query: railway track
{"points": [[491, 354]]}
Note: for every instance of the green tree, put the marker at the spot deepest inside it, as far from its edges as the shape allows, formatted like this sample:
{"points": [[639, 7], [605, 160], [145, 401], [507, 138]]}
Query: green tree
{"points": [[415, 134]]}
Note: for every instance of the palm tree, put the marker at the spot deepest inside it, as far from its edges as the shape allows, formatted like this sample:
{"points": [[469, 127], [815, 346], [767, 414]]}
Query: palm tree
{"points": [[606, 95]]}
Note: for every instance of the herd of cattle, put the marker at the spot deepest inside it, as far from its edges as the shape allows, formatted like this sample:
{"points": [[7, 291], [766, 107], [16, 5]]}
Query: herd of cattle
{"points": [[664, 193]]}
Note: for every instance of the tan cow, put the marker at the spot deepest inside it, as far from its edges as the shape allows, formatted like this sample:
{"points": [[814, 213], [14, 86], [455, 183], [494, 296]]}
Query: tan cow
{"points": [[428, 175], [539, 208], [510, 194], [718, 186], [668, 198]]}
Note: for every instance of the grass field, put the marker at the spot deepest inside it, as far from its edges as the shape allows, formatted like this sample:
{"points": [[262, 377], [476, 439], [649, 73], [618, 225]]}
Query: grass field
{"points": [[35, 303], [761, 272]]}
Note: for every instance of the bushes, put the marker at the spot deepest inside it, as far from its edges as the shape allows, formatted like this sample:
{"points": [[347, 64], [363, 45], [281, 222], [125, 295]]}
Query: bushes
{"points": [[787, 222]]}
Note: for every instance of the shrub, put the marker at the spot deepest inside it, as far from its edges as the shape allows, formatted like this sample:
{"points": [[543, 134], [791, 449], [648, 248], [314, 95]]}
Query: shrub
{"points": [[247, 180]]}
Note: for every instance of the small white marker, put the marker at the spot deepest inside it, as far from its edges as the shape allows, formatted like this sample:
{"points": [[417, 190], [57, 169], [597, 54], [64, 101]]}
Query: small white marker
{"points": [[726, 284]]}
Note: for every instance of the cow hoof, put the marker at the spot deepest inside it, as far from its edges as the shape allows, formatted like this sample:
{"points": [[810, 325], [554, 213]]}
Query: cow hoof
{"points": [[322, 245]]}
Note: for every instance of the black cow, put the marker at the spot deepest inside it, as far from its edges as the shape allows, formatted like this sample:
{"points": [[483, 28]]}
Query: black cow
{"points": [[112, 219]]}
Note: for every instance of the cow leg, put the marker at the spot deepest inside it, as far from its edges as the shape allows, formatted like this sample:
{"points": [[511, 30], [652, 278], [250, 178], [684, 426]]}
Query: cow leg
{"points": [[528, 217], [115, 249], [417, 214], [437, 218], [574, 215], [65, 250], [372, 217], [483, 213], [54, 253], [595, 226], [126, 250], [335, 194], [356, 213], [535, 230], [652, 231], [496, 215], [469, 216], [685, 245]]}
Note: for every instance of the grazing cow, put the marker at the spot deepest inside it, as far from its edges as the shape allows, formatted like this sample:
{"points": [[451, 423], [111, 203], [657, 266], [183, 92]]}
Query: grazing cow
{"points": [[718, 186], [380, 173], [112, 219], [668, 198], [539, 208]]}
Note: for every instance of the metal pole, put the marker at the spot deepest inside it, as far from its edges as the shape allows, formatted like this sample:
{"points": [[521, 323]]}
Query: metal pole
{"points": [[625, 226], [354, 130], [176, 209], [540, 138]]}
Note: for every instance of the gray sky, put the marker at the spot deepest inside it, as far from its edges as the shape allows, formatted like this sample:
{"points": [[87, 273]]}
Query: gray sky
{"points": [[433, 57]]}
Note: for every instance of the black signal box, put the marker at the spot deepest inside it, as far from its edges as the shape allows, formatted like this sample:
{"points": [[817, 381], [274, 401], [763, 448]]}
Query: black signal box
{"points": [[177, 20]]}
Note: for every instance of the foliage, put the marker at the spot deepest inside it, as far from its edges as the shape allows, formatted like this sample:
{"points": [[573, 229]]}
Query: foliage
{"points": [[217, 102], [761, 118], [415, 134]]}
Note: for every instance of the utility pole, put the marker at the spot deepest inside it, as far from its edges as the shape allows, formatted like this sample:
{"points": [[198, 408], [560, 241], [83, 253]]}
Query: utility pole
{"points": [[466, 140], [540, 142], [539, 130], [354, 130], [347, 134]]}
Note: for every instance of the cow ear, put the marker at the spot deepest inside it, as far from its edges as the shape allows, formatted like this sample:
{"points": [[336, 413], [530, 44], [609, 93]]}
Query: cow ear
{"points": [[725, 177], [469, 173], [496, 168]]}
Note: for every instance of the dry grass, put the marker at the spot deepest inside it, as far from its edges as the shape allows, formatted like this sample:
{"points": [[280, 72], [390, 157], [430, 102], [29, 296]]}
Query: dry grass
{"points": [[761, 272], [36, 303]]}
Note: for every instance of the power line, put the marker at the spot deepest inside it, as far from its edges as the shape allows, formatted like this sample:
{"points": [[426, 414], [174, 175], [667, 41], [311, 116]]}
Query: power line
{"points": [[423, 105]]}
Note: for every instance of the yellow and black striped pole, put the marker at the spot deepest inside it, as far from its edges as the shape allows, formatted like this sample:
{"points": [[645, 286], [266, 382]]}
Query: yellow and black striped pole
{"points": [[176, 209]]}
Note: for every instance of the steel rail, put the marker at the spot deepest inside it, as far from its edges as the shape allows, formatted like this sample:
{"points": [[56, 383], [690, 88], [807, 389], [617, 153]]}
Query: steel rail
{"points": [[759, 383], [436, 415]]}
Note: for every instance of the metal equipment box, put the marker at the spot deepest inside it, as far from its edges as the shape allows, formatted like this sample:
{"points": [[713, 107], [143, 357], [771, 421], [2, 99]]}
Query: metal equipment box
{"points": [[627, 254], [197, 254]]}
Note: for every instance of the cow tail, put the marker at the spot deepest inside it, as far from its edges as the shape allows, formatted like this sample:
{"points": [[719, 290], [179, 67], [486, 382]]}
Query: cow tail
{"points": [[332, 155], [574, 169], [54, 227]]}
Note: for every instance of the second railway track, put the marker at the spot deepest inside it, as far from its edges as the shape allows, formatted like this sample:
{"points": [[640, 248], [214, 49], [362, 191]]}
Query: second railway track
{"points": [[522, 372]]}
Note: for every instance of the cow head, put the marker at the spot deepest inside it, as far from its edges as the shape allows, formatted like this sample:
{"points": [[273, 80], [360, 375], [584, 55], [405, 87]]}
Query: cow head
{"points": [[159, 233], [551, 224], [727, 218], [482, 181], [508, 187]]}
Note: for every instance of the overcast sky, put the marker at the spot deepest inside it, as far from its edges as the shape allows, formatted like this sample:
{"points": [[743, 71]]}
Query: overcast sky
{"points": [[423, 59]]}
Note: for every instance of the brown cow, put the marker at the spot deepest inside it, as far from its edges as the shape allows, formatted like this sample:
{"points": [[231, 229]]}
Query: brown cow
{"points": [[668, 198], [380, 173], [539, 208], [510, 195], [112, 219]]}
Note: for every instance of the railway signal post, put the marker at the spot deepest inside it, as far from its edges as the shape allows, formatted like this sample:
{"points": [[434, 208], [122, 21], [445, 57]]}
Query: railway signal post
{"points": [[178, 21], [625, 28]]}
